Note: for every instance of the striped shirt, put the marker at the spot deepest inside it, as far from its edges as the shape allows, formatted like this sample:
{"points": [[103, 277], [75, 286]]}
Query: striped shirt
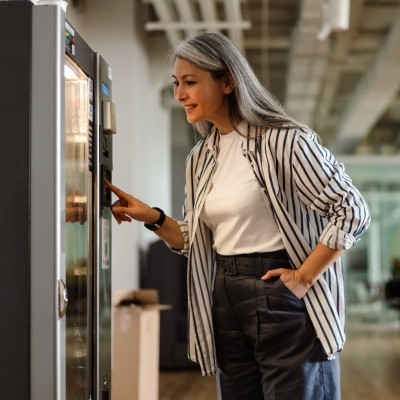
{"points": [[312, 200]]}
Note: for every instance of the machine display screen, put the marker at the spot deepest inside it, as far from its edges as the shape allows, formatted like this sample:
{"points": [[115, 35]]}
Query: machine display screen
{"points": [[105, 90]]}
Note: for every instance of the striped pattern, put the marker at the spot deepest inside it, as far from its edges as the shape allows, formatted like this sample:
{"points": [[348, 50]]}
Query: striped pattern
{"points": [[312, 200]]}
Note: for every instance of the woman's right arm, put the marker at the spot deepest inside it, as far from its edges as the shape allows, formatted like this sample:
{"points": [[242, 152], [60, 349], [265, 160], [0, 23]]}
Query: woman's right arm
{"points": [[170, 232], [128, 207]]}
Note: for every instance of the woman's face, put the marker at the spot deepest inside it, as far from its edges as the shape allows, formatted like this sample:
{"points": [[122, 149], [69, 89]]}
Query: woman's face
{"points": [[202, 97]]}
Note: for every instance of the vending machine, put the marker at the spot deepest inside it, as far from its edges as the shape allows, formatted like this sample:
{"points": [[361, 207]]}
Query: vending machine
{"points": [[58, 122]]}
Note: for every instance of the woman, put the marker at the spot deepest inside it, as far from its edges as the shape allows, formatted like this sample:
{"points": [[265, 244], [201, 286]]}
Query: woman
{"points": [[268, 212]]}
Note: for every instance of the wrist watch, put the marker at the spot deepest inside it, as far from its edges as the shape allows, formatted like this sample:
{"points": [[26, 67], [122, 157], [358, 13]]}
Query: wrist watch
{"points": [[158, 223]]}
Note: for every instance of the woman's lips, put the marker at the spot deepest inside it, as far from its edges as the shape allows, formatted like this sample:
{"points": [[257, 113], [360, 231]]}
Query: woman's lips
{"points": [[190, 108]]}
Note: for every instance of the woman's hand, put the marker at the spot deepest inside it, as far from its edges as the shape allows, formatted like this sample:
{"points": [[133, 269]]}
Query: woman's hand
{"points": [[128, 207], [291, 278], [300, 280]]}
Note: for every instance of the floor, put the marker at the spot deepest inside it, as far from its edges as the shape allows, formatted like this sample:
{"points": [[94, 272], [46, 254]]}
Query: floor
{"points": [[370, 366]]}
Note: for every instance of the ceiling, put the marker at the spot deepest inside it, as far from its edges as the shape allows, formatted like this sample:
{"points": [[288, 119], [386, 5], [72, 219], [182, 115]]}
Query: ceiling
{"points": [[343, 83]]}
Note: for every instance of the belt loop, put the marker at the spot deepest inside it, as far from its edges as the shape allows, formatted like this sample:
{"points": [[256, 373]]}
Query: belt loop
{"points": [[232, 267], [259, 267]]}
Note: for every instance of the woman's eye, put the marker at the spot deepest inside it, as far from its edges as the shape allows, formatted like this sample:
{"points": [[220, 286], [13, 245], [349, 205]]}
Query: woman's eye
{"points": [[186, 83]]}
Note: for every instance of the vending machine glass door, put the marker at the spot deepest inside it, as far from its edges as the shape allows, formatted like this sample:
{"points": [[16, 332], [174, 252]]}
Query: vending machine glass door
{"points": [[79, 238]]}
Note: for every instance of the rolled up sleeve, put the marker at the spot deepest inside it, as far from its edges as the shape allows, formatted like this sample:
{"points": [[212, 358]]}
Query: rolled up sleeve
{"points": [[323, 185], [184, 227]]}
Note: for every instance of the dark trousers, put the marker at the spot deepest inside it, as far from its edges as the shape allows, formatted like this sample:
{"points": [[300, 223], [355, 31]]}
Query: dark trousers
{"points": [[266, 345]]}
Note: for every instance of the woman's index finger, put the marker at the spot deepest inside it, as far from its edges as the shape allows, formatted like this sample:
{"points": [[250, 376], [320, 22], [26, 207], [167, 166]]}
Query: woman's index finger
{"points": [[116, 190]]}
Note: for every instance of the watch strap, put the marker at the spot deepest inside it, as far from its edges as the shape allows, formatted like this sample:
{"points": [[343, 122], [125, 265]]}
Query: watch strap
{"points": [[158, 223]]}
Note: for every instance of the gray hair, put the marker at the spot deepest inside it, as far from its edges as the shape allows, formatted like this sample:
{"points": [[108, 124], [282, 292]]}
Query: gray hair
{"points": [[249, 101]]}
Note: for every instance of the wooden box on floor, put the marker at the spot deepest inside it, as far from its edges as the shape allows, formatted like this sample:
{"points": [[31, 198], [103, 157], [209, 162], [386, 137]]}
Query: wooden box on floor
{"points": [[136, 341]]}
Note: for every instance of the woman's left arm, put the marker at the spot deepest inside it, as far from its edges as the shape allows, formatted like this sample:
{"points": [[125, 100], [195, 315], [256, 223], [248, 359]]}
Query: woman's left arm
{"points": [[323, 186]]}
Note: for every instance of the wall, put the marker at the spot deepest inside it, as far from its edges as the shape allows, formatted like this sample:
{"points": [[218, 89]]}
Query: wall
{"points": [[142, 144]]}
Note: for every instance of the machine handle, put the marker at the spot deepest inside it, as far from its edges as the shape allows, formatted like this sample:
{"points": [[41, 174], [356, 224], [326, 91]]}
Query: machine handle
{"points": [[62, 298]]}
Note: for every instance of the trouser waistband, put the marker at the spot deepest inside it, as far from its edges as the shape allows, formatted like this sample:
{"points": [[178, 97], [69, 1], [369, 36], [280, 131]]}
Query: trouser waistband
{"points": [[254, 264]]}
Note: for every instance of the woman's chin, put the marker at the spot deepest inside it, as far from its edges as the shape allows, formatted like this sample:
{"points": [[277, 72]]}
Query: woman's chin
{"points": [[191, 119]]}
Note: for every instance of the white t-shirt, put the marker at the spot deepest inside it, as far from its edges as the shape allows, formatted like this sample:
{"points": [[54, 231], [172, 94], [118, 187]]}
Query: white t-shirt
{"points": [[234, 209]]}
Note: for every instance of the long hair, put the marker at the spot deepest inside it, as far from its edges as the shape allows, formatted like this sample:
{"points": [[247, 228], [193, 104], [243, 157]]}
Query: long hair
{"points": [[249, 101]]}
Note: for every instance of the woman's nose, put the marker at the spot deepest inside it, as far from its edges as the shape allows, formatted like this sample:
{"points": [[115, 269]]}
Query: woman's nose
{"points": [[180, 94]]}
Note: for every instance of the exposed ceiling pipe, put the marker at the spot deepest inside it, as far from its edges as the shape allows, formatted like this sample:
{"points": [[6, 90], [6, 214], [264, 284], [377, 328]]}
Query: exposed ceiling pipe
{"points": [[375, 92], [308, 61], [208, 10], [185, 20], [234, 16], [206, 25], [335, 17], [186, 15], [326, 125], [164, 13]]}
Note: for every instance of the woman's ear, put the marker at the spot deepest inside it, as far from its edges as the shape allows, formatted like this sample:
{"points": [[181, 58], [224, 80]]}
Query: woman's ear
{"points": [[228, 82]]}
